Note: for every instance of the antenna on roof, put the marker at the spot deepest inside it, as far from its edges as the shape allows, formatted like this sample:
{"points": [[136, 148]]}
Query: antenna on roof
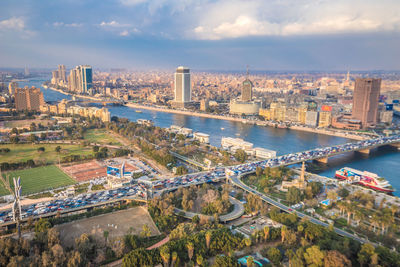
{"points": [[247, 71]]}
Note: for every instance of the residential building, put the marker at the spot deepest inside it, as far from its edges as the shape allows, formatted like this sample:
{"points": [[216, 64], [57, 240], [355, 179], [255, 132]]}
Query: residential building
{"points": [[28, 98], [324, 119], [12, 86]]}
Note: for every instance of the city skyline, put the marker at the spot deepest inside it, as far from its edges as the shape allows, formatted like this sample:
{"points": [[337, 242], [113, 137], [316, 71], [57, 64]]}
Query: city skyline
{"points": [[361, 35]]}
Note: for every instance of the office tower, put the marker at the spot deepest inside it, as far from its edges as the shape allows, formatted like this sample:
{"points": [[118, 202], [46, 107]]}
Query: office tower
{"points": [[73, 83], [28, 98], [247, 88], [54, 76], [247, 91], [26, 72], [365, 100], [80, 79], [183, 90], [12, 86], [61, 73], [85, 78]]}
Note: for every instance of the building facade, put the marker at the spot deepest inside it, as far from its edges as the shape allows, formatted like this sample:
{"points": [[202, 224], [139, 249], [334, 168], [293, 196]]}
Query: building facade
{"points": [[366, 100], [183, 86], [28, 98], [247, 91]]}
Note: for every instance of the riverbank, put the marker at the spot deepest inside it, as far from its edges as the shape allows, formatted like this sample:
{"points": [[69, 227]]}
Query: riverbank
{"points": [[329, 132], [219, 117]]}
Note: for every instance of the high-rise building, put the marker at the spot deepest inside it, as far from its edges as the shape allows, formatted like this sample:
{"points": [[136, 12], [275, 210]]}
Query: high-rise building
{"points": [[85, 74], [55, 77], [183, 86], [28, 98], [80, 79], [247, 90], [12, 86], [366, 100], [61, 73]]}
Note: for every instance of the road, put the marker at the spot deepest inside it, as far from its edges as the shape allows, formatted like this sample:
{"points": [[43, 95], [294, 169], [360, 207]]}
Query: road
{"points": [[236, 181], [237, 211]]}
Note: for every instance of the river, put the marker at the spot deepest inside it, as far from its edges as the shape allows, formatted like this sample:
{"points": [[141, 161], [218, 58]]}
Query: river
{"points": [[384, 161]]}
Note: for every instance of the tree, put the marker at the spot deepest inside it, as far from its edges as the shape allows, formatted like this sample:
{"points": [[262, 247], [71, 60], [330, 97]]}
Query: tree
{"points": [[53, 237], [334, 258], [14, 139], [208, 238], [293, 195], [190, 248], [58, 149], [314, 256], [199, 260], [146, 232], [174, 258], [95, 149], [41, 149], [180, 170], [365, 254], [225, 261], [32, 138], [274, 255], [106, 234], [196, 219], [164, 253], [266, 233], [259, 171], [240, 155]]}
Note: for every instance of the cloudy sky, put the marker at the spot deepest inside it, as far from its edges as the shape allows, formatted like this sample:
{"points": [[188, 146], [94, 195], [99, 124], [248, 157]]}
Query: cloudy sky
{"points": [[202, 34]]}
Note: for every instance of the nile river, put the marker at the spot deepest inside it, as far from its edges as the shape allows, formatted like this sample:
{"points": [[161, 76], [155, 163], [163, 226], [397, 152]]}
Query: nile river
{"points": [[383, 161]]}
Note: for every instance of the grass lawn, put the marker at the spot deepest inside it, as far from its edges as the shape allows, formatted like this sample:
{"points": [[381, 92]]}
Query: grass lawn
{"points": [[24, 152], [38, 179], [100, 136], [25, 123]]}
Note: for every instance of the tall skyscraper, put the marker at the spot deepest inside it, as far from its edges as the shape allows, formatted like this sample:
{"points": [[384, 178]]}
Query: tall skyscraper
{"points": [[28, 98], [12, 86], [247, 89], [61, 73], [85, 78], [365, 100], [80, 79], [183, 87]]}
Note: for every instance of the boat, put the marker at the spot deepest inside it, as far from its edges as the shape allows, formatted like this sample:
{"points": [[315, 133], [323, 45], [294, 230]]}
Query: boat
{"points": [[138, 111], [237, 134], [364, 178], [222, 128]]}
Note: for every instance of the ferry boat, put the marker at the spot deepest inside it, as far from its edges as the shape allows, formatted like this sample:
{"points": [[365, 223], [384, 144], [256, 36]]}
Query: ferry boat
{"points": [[138, 111], [222, 128], [364, 178]]}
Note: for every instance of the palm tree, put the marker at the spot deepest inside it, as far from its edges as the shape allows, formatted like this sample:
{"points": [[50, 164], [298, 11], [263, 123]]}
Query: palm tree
{"points": [[105, 234], [199, 260], [374, 221], [266, 232], [174, 258], [358, 216], [164, 253], [208, 238], [283, 233], [190, 248]]}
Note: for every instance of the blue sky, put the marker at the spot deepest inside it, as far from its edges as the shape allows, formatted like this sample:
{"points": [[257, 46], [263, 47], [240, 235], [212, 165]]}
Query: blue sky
{"points": [[202, 34]]}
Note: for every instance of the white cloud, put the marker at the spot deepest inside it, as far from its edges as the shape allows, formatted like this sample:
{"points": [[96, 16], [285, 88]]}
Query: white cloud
{"points": [[72, 25], [113, 23], [13, 23], [129, 32], [208, 19], [132, 2], [124, 33]]}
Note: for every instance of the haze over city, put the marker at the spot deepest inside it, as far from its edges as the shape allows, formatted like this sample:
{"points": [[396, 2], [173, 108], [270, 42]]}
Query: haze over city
{"points": [[206, 35], [197, 133]]}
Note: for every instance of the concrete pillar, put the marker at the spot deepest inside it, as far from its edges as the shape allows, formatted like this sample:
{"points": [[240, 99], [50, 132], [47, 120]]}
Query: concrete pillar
{"points": [[364, 151], [322, 160]]}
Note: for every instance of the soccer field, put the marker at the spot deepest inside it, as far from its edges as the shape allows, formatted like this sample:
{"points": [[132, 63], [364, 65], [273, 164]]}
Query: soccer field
{"points": [[38, 179]]}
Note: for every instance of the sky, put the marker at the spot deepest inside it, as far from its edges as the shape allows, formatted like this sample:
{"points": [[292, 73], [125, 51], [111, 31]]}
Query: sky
{"points": [[295, 35]]}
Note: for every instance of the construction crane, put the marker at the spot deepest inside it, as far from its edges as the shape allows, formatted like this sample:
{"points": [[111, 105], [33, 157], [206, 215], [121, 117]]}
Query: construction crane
{"points": [[16, 207]]}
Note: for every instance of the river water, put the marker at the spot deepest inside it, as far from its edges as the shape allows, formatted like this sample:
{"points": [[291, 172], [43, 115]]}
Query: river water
{"points": [[384, 161]]}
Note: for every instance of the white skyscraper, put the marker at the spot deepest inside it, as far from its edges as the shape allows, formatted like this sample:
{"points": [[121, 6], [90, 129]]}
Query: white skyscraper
{"points": [[183, 87]]}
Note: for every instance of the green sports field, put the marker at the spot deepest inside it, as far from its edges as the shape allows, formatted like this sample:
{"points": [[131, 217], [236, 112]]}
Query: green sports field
{"points": [[24, 152], [100, 136], [39, 179]]}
